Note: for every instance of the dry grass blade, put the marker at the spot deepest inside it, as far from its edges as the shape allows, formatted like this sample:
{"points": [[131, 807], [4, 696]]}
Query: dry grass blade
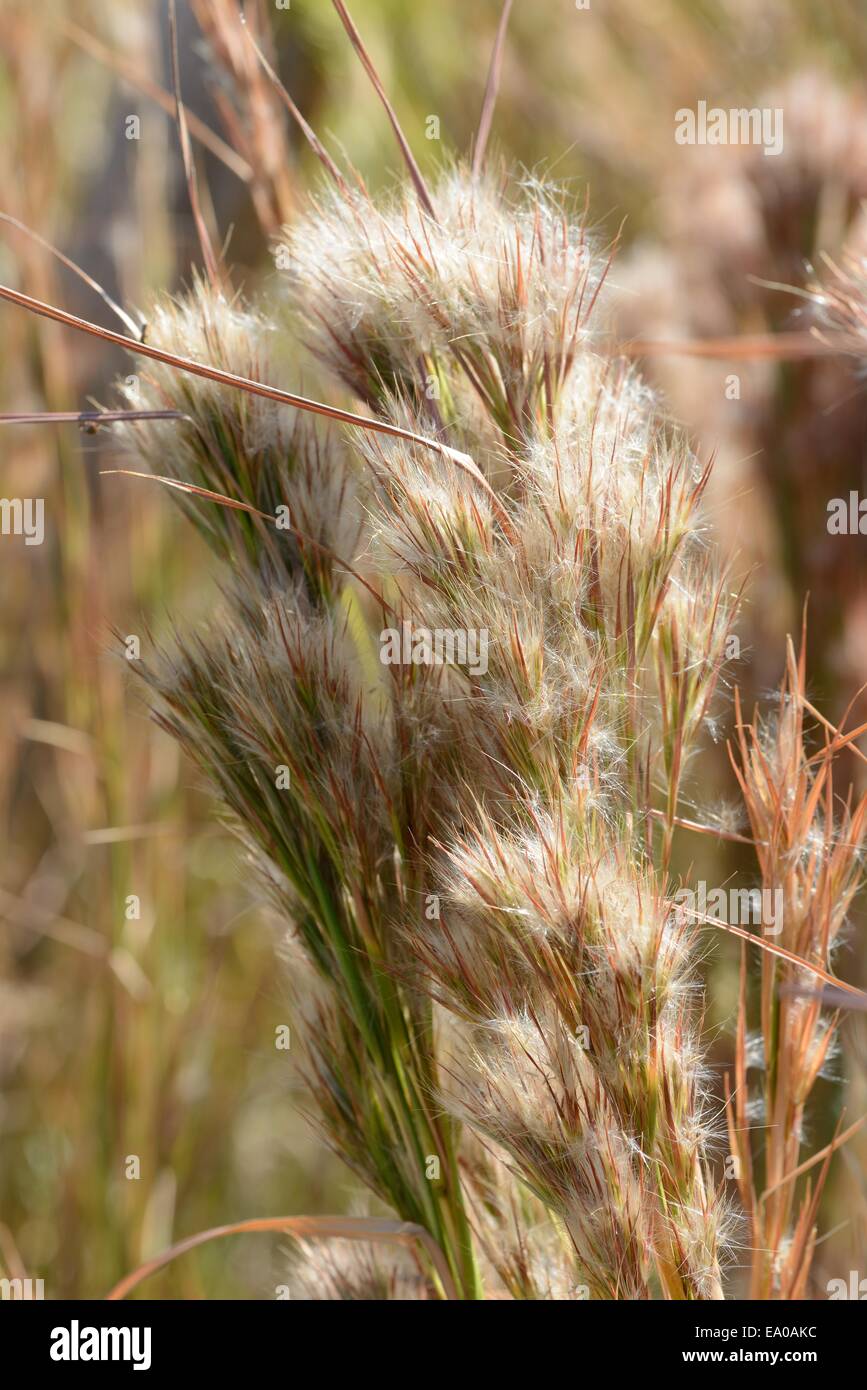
{"points": [[248, 106], [492, 87], [304, 126], [841, 740], [19, 912], [76, 270], [815, 867], [116, 62], [256, 388], [208, 254], [831, 998], [92, 418], [825, 1153], [717, 832], [192, 490], [304, 1228], [409, 158], [782, 953]]}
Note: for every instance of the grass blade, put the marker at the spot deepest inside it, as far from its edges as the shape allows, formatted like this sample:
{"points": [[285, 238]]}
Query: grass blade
{"points": [[366, 62], [492, 87], [304, 1228], [256, 388]]}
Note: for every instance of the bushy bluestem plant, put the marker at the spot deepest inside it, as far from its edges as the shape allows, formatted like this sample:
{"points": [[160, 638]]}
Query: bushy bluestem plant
{"points": [[472, 859]]}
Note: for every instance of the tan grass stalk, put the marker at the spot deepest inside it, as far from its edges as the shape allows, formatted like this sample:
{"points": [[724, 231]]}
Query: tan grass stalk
{"points": [[492, 87], [209, 256], [118, 63], [367, 63], [306, 1228], [808, 846], [248, 105]]}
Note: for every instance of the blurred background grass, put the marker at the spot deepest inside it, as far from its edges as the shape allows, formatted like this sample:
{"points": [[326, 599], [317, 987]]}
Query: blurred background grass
{"points": [[154, 1035]]}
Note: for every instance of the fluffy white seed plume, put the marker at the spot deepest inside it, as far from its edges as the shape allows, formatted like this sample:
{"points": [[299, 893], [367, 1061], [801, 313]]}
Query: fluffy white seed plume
{"points": [[465, 846]]}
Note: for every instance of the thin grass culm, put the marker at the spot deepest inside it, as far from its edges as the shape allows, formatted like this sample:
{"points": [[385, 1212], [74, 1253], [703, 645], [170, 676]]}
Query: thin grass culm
{"points": [[441, 704]]}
